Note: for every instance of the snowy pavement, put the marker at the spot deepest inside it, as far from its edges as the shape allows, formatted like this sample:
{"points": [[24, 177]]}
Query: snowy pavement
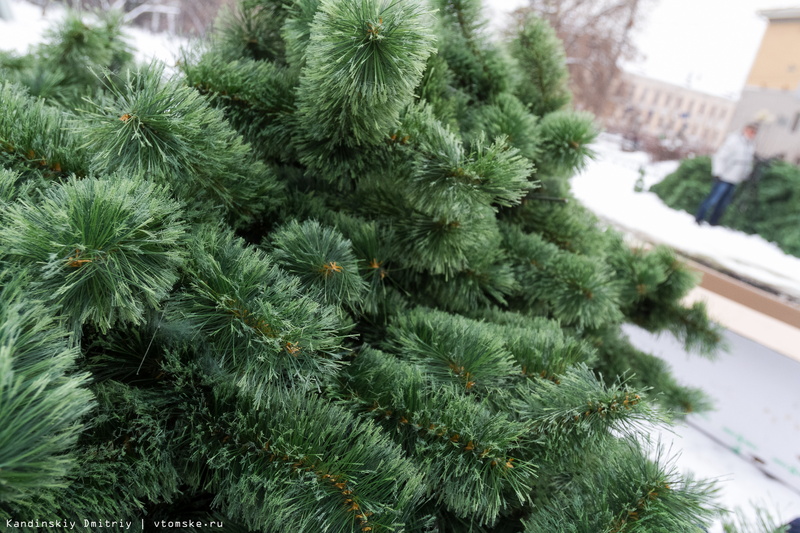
{"points": [[750, 442], [754, 431], [30, 24]]}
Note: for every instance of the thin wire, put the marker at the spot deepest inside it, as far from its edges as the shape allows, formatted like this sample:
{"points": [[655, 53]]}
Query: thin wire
{"points": [[151, 343]]}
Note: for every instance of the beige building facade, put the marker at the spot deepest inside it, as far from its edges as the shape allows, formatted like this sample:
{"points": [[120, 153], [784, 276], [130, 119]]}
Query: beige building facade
{"points": [[648, 108], [771, 94]]}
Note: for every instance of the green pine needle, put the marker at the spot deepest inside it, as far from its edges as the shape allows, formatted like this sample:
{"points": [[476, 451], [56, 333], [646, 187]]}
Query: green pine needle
{"points": [[103, 251]]}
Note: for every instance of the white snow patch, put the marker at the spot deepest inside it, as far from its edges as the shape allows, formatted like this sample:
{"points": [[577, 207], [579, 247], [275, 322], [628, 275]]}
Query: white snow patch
{"points": [[606, 187], [30, 24], [741, 487]]}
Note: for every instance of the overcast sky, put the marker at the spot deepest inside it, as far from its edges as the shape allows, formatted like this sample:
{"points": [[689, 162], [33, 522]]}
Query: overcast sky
{"points": [[709, 44]]}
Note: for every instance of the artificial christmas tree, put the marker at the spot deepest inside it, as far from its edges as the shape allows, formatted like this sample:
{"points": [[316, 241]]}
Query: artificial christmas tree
{"points": [[765, 204], [330, 278]]}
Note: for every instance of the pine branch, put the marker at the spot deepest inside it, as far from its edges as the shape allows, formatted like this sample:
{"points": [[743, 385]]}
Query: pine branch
{"points": [[466, 452], [480, 69], [453, 349], [260, 325], [43, 401], [301, 464], [487, 281], [257, 98], [169, 133], [566, 136], [322, 259], [445, 173], [371, 245], [578, 409], [655, 282], [77, 48], [540, 55], [541, 348], [632, 493], [251, 29], [363, 62], [505, 115], [35, 139], [616, 356], [297, 29], [103, 251], [573, 288]]}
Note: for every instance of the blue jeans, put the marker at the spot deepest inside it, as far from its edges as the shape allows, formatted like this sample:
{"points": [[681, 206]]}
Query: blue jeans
{"points": [[720, 196]]}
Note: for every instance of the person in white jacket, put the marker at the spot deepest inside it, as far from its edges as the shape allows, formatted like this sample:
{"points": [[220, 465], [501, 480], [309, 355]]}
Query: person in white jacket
{"points": [[730, 165]]}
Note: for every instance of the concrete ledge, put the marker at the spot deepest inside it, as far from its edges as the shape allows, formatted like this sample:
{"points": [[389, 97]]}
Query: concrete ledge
{"points": [[751, 313], [747, 295]]}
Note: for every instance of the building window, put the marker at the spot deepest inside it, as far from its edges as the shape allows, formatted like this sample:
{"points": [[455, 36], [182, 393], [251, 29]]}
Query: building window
{"points": [[796, 122], [644, 95], [702, 109], [679, 102], [656, 95]]}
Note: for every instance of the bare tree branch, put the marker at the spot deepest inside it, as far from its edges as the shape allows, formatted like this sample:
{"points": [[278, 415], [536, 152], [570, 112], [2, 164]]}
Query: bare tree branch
{"points": [[597, 35]]}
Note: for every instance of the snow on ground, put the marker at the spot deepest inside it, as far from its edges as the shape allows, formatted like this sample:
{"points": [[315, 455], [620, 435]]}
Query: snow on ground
{"points": [[741, 487], [745, 435], [606, 187], [30, 24]]}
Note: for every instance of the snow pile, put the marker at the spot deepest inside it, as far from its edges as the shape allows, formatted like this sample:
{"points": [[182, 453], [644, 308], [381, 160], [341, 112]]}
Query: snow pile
{"points": [[606, 187], [30, 23]]}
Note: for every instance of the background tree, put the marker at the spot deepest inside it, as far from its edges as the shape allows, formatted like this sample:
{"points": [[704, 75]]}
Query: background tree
{"points": [[763, 205], [185, 17], [333, 279], [597, 36]]}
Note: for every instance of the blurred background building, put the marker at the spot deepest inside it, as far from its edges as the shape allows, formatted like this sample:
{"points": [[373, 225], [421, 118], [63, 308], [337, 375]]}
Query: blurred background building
{"points": [[673, 121], [184, 17], [771, 93], [647, 111]]}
